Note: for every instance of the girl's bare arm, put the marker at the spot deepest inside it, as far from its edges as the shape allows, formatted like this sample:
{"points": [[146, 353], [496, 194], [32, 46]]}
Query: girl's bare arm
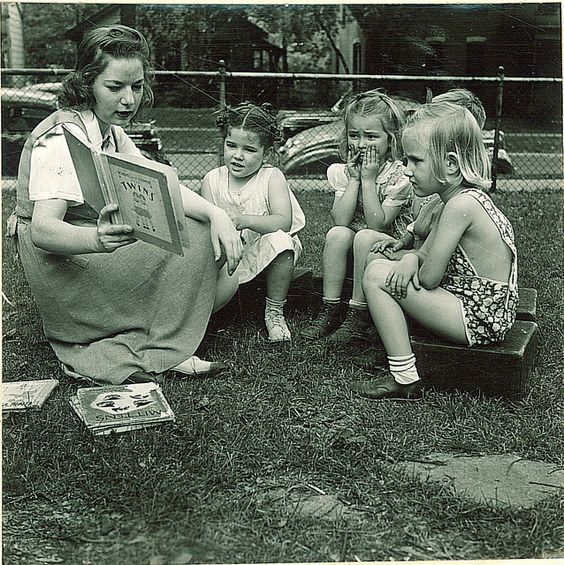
{"points": [[280, 217], [344, 207], [442, 241], [377, 217]]}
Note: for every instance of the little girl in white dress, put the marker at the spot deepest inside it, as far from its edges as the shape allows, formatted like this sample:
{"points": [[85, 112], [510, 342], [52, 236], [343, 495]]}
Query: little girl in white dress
{"points": [[261, 205]]}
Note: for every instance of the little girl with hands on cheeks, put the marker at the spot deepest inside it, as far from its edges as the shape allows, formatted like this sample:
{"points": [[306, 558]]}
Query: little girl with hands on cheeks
{"points": [[372, 201], [262, 207], [462, 283]]}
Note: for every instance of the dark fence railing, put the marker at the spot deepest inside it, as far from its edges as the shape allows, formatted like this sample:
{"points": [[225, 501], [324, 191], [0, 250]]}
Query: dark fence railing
{"points": [[525, 143]]}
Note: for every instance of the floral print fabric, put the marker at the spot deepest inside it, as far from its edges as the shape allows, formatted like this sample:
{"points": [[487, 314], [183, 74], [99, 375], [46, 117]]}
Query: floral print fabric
{"points": [[489, 307]]}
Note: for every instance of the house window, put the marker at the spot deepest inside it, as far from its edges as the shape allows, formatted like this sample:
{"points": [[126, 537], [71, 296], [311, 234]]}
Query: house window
{"points": [[258, 59], [476, 60], [357, 58]]}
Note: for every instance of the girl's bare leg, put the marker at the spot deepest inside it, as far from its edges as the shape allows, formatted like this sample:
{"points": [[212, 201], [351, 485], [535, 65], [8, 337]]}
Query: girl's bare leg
{"points": [[437, 309], [226, 288], [338, 241], [363, 241], [279, 276], [278, 279]]}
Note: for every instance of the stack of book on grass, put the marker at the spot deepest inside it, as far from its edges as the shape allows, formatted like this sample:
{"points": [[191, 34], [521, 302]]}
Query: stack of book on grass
{"points": [[121, 408], [23, 395]]}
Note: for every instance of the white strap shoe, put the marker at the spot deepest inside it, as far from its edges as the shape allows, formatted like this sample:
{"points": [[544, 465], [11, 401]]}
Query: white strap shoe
{"points": [[196, 367]]}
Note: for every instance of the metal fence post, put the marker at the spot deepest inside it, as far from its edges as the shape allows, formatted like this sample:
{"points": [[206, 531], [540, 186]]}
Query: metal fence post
{"points": [[498, 110], [222, 107]]}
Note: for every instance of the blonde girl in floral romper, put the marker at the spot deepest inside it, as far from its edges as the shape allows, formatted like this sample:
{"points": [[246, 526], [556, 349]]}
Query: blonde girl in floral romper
{"points": [[462, 283]]}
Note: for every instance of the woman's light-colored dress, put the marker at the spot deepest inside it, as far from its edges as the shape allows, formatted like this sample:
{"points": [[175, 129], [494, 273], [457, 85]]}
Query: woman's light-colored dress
{"points": [[109, 315]]}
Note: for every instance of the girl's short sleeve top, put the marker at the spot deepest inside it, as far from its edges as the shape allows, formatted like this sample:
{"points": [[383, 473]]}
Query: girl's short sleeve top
{"points": [[338, 179], [393, 186], [52, 173]]}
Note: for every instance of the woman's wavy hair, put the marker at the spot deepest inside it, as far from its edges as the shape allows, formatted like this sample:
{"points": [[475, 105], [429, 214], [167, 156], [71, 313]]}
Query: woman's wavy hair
{"points": [[94, 53], [374, 103], [260, 120], [448, 128]]}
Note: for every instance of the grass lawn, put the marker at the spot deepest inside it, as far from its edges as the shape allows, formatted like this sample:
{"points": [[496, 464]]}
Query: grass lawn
{"points": [[223, 483]]}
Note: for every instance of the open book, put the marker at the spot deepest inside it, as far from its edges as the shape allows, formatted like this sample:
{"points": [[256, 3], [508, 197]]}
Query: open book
{"points": [[147, 193], [121, 408], [21, 395]]}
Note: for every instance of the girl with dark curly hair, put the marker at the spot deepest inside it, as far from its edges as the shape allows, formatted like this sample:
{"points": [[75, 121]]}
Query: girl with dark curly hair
{"points": [[258, 200]]}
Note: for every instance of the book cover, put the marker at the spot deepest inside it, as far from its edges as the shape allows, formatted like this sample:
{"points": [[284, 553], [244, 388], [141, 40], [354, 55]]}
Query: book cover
{"points": [[121, 407], [23, 395], [147, 193]]}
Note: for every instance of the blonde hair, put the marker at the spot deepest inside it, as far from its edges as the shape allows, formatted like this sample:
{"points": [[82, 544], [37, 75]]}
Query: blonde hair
{"points": [[449, 128], [467, 99], [378, 104]]}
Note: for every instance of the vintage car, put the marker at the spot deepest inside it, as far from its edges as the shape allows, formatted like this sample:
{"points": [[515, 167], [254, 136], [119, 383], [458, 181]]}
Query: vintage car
{"points": [[311, 140], [24, 108]]}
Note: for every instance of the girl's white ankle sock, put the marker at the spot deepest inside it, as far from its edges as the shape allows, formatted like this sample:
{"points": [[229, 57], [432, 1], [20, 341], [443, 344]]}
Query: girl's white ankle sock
{"points": [[277, 305], [403, 369], [356, 305]]}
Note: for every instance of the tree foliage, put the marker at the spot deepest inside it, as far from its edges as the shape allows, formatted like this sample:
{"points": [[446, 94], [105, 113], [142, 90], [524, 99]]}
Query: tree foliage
{"points": [[305, 31], [43, 29]]}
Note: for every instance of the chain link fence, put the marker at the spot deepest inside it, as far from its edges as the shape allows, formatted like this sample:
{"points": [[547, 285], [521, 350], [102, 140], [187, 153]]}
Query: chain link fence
{"points": [[523, 130]]}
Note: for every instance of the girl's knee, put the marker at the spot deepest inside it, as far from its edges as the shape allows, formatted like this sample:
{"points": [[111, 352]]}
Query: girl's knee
{"points": [[364, 239], [339, 237], [339, 233], [375, 273]]}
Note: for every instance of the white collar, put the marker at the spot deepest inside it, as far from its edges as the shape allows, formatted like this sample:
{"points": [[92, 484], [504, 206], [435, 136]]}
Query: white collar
{"points": [[93, 130]]}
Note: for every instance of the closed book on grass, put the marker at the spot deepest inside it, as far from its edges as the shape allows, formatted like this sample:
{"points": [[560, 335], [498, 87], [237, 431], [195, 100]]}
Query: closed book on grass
{"points": [[121, 408], [24, 395], [147, 193]]}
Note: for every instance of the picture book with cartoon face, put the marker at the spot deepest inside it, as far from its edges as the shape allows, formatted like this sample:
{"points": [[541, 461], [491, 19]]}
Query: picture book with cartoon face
{"points": [[121, 407]]}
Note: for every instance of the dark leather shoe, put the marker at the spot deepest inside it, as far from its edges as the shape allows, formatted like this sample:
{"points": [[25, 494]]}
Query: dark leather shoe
{"points": [[327, 321], [386, 388]]}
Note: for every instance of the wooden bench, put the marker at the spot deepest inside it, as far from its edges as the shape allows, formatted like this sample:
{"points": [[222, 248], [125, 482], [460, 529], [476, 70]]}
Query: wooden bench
{"points": [[501, 369], [249, 298]]}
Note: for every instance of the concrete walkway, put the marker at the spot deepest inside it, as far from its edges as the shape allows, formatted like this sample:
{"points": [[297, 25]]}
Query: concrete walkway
{"points": [[506, 480]]}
